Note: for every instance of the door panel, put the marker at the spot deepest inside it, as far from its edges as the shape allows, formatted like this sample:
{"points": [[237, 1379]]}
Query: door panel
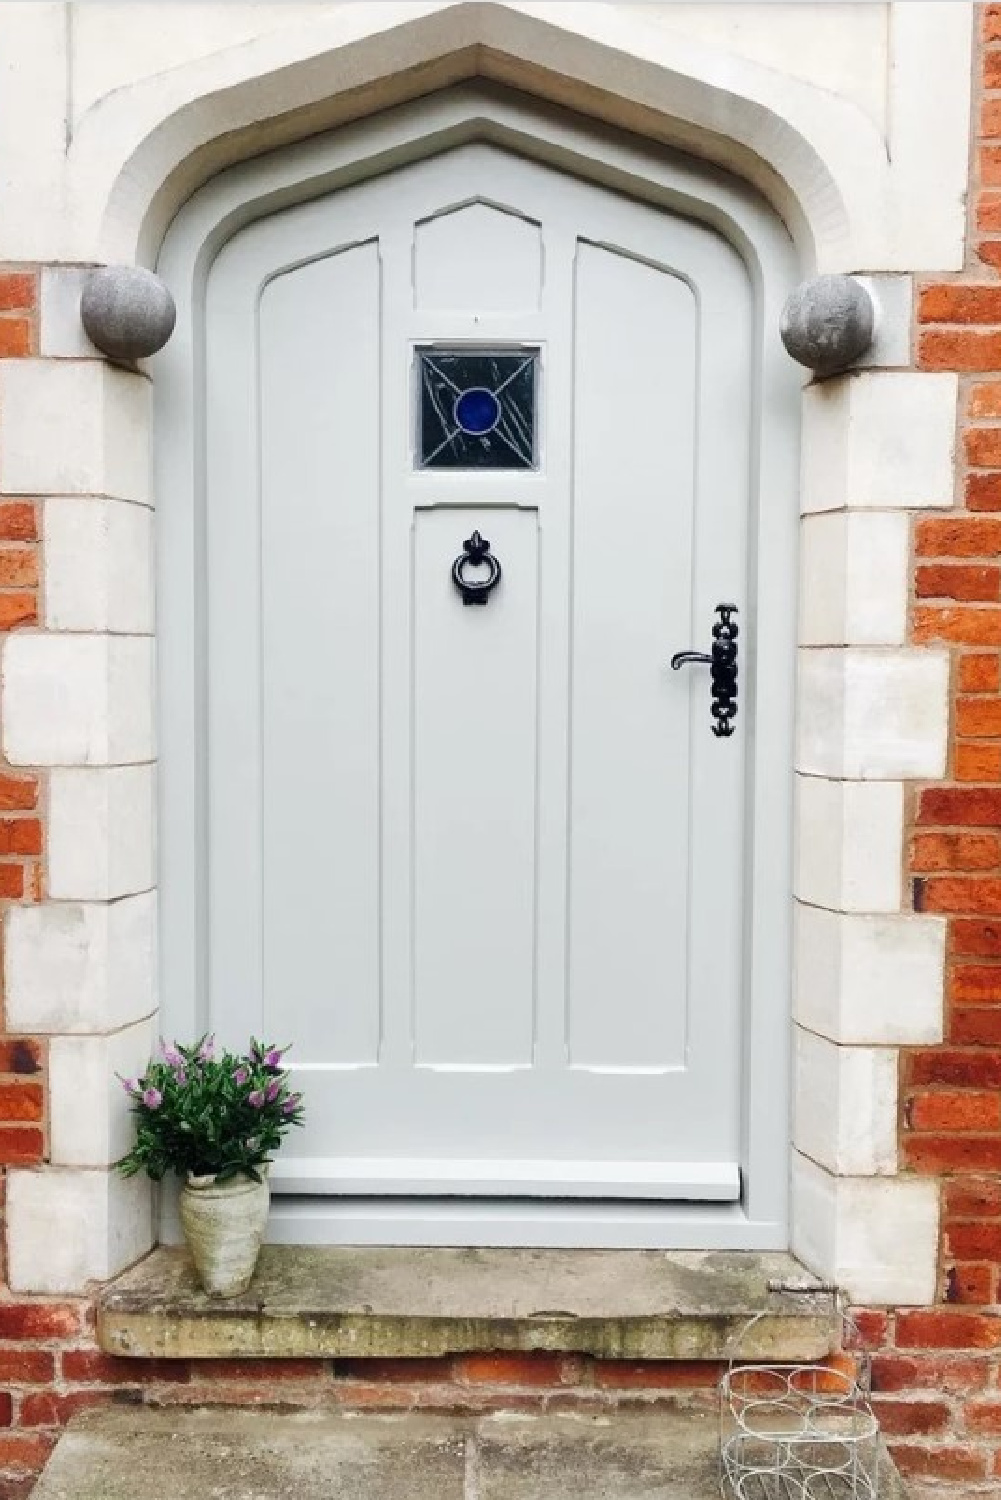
{"points": [[481, 863]]}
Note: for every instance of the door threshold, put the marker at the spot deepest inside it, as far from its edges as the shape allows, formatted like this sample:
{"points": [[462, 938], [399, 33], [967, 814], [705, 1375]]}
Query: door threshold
{"points": [[341, 1301]]}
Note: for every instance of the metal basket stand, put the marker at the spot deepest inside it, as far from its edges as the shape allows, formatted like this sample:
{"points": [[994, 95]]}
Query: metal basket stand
{"points": [[797, 1432]]}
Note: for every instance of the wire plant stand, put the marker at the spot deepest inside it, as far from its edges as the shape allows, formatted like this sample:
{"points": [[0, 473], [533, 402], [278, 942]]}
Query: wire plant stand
{"points": [[797, 1432]]}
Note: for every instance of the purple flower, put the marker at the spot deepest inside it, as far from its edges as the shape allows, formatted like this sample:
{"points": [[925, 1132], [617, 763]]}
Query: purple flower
{"points": [[256, 1099], [152, 1098], [131, 1086], [181, 1077], [273, 1057], [241, 1075], [171, 1056], [291, 1104], [273, 1090], [206, 1050]]}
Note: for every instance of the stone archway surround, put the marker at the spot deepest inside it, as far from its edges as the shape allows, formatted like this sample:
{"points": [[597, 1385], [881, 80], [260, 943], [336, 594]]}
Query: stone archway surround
{"points": [[872, 714]]}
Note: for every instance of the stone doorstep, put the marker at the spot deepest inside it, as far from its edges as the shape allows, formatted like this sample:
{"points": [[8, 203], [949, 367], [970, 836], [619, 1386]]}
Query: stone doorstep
{"points": [[239, 1455], [355, 1302]]}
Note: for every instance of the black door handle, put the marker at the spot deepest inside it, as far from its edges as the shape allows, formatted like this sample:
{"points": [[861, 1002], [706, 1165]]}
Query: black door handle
{"points": [[722, 662]]}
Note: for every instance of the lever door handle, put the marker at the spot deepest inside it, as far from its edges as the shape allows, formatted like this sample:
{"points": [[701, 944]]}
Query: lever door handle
{"points": [[722, 662]]}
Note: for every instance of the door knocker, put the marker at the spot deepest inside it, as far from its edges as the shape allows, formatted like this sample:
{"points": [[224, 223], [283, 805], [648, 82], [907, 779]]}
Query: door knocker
{"points": [[476, 550]]}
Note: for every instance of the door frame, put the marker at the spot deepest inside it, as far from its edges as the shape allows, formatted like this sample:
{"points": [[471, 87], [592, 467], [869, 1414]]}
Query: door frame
{"points": [[678, 184]]}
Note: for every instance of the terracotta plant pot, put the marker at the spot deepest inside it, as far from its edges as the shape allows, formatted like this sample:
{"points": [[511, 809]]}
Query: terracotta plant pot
{"points": [[223, 1226]]}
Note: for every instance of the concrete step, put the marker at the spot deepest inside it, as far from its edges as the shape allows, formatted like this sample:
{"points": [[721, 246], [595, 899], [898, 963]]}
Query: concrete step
{"points": [[223, 1454], [342, 1301]]}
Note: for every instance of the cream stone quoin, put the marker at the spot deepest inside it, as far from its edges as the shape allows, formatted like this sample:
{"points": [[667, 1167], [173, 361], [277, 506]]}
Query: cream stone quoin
{"points": [[803, 142]]}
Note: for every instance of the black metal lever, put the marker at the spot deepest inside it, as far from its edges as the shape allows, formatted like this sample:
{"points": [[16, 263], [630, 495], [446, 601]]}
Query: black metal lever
{"points": [[722, 662]]}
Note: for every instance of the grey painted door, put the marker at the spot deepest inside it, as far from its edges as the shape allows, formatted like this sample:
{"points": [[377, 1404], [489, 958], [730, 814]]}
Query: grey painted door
{"points": [[481, 864]]}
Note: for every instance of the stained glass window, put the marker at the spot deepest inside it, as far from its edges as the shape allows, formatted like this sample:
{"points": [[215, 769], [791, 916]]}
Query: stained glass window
{"points": [[477, 408]]}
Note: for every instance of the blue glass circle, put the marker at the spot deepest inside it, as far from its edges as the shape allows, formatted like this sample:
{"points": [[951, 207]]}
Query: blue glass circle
{"points": [[477, 411]]}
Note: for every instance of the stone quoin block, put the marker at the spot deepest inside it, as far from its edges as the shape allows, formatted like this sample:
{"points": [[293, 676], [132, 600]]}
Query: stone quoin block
{"points": [[845, 1106], [77, 699], [848, 841], [873, 713], [104, 1224], [72, 967], [880, 439], [875, 1237], [101, 827], [74, 427], [854, 578], [89, 1120], [869, 980], [98, 565]]}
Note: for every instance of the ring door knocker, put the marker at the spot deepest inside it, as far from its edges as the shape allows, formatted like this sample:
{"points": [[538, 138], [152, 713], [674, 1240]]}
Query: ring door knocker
{"points": [[476, 551], [722, 664]]}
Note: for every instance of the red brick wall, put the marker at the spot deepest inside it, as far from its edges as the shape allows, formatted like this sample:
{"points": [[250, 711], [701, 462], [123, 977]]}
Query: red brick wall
{"points": [[936, 1371]]}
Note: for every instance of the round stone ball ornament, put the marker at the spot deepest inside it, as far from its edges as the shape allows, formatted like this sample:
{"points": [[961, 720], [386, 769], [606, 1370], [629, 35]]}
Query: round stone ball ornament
{"points": [[127, 311], [828, 323]]}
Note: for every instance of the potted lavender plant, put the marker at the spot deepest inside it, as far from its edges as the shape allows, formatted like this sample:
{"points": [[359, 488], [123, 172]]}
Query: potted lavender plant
{"points": [[216, 1121]]}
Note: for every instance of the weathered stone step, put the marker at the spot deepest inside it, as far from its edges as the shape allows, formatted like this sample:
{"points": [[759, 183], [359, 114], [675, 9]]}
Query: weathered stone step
{"points": [[122, 1453], [348, 1301]]}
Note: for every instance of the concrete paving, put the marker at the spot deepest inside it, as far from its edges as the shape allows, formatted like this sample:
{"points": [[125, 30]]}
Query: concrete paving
{"points": [[337, 1301], [219, 1454]]}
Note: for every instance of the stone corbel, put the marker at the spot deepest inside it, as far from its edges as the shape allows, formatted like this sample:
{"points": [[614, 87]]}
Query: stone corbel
{"points": [[828, 323]]}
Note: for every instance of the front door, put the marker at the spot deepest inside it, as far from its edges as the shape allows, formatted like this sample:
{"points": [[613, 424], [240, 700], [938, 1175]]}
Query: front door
{"points": [[476, 852]]}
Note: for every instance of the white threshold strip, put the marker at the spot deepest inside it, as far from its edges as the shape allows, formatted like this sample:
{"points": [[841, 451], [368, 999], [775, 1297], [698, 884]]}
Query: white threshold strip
{"points": [[704, 1182]]}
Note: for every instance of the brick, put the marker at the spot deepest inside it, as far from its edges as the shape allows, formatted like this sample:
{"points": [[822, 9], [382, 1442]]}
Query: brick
{"points": [[20, 1055], [12, 881], [17, 337], [20, 836], [625, 1375], [18, 793], [963, 625], [977, 939], [959, 807], [989, 252], [27, 1367], [21, 1146], [954, 1066], [927, 1462], [941, 1328], [260, 1369], [975, 1025], [983, 447], [956, 302], [935, 1155], [966, 536], [972, 1110], [510, 1369], [18, 567], [981, 1241], [946, 893], [977, 762], [983, 491], [964, 581], [18, 522], [976, 984], [18, 291], [966, 350], [39, 1320], [955, 851], [980, 673], [20, 1101], [969, 1285], [395, 1371], [990, 172], [988, 216], [25, 1451], [983, 1416], [948, 1375], [17, 609], [973, 1198], [908, 1418], [984, 396], [49, 1409], [872, 1328], [90, 1366], [979, 718]]}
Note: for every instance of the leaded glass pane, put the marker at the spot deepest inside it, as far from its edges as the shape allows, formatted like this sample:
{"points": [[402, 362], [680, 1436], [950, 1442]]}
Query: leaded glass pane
{"points": [[477, 408]]}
